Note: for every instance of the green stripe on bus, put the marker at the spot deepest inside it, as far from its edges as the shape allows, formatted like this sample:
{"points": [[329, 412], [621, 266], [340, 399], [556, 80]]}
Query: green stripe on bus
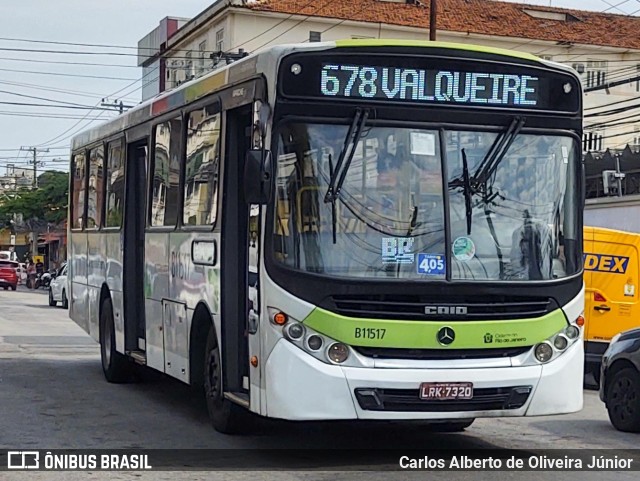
{"points": [[422, 334], [374, 42]]}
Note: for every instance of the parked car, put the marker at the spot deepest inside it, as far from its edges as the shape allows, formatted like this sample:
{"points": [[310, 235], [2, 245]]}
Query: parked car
{"points": [[9, 274], [620, 381], [58, 289]]}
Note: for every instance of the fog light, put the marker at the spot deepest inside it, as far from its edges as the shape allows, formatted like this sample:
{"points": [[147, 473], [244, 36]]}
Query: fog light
{"points": [[560, 343], [294, 331], [543, 352], [314, 342], [296, 69], [338, 352], [572, 332]]}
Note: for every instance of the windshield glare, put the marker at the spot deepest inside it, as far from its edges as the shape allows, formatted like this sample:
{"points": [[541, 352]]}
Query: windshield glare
{"points": [[388, 220]]}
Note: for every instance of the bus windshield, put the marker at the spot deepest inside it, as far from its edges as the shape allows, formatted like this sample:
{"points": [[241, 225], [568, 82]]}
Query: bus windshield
{"points": [[510, 216]]}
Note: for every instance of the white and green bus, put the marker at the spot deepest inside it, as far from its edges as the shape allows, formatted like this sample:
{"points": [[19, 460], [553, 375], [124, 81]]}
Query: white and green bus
{"points": [[345, 230]]}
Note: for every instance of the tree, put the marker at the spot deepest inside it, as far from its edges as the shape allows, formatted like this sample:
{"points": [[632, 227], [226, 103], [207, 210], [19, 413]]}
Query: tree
{"points": [[48, 202]]}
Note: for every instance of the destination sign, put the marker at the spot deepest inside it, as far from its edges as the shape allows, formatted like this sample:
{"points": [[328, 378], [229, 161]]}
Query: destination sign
{"points": [[429, 80], [339, 80]]}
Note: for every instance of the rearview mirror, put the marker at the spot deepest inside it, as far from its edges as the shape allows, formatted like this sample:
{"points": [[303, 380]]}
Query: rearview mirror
{"points": [[257, 176]]}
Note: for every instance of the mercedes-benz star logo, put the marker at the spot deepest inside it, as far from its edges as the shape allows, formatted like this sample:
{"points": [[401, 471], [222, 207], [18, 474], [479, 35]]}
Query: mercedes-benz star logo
{"points": [[446, 336]]}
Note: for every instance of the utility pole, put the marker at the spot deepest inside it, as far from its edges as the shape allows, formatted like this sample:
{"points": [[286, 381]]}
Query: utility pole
{"points": [[34, 151], [433, 13], [118, 105]]}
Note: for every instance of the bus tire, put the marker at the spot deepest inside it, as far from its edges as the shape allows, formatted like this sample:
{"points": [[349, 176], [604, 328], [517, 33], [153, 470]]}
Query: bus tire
{"points": [[115, 366], [226, 417], [453, 426], [623, 400]]}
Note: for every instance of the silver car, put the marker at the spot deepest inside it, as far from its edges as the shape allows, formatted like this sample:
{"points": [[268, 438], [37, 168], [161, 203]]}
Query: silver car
{"points": [[58, 289]]}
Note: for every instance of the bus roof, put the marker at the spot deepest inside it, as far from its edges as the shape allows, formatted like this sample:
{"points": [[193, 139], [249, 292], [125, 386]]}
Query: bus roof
{"points": [[259, 62]]}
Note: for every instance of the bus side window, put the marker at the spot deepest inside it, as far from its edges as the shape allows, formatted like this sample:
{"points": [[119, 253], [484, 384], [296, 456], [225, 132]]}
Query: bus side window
{"points": [[114, 185], [78, 190], [202, 167], [166, 173]]}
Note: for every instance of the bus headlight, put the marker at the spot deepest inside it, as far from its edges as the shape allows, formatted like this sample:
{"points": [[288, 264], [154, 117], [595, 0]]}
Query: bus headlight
{"points": [[560, 342], [293, 331], [543, 352], [572, 332], [555, 345], [338, 352], [317, 345]]}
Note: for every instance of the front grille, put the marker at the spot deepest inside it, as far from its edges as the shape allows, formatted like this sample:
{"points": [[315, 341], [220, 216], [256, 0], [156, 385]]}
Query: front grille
{"points": [[413, 307], [408, 400], [439, 354]]}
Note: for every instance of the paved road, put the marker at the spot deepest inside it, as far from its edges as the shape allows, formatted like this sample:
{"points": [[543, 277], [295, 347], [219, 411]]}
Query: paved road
{"points": [[52, 395]]}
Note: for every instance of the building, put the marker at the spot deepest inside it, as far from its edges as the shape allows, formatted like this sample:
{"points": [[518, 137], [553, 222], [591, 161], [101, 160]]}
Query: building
{"points": [[15, 178], [188, 49], [604, 48], [149, 58]]}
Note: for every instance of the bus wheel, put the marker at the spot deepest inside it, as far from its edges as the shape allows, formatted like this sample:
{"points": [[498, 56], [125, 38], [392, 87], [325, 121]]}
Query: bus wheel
{"points": [[453, 426], [115, 366], [226, 417]]}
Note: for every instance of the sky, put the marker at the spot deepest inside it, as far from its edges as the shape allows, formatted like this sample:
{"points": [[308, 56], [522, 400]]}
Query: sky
{"points": [[114, 23]]}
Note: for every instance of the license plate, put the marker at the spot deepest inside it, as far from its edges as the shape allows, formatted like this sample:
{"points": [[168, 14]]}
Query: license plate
{"points": [[446, 390]]}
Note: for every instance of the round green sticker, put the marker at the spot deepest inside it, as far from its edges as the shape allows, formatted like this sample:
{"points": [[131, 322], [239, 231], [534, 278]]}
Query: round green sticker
{"points": [[463, 249]]}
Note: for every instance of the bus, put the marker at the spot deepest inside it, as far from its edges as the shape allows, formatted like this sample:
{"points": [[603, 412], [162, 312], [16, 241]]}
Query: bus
{"points": [[348, 230]]}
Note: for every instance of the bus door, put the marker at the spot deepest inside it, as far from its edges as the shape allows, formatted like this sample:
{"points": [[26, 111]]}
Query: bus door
{"points": [[236, 273], [133, 246]]}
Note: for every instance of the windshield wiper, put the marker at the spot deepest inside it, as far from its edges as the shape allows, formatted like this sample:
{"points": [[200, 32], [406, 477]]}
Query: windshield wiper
{"points": [[338, 174], [466, 189], [471, 183], [414, 217], [346, 155], [497, 151]]}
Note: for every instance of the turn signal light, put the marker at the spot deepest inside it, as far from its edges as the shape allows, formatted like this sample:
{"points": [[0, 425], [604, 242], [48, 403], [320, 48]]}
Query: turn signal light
{"points": [[254, 361], [580, 321], [280, 318], [598, 297]]}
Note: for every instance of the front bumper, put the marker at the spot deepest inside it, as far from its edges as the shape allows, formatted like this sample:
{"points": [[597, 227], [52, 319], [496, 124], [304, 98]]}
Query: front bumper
{"points": [[300, 387]]}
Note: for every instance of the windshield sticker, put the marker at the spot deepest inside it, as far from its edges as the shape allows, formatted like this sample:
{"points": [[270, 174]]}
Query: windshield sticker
{"points": [[464, 249], [397, 250], [431, 264], [423, 143]]}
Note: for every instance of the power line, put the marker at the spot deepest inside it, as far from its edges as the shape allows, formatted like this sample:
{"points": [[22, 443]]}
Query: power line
{"points": [[40, 98], [18, 150], [79, 93], [66, 74], [98, 45], [61, 62], [60, 137], [25, 104], [42, 115]]}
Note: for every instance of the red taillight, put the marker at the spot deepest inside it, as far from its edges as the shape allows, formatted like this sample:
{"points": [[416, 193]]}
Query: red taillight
{"points": [[599, 297]]}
